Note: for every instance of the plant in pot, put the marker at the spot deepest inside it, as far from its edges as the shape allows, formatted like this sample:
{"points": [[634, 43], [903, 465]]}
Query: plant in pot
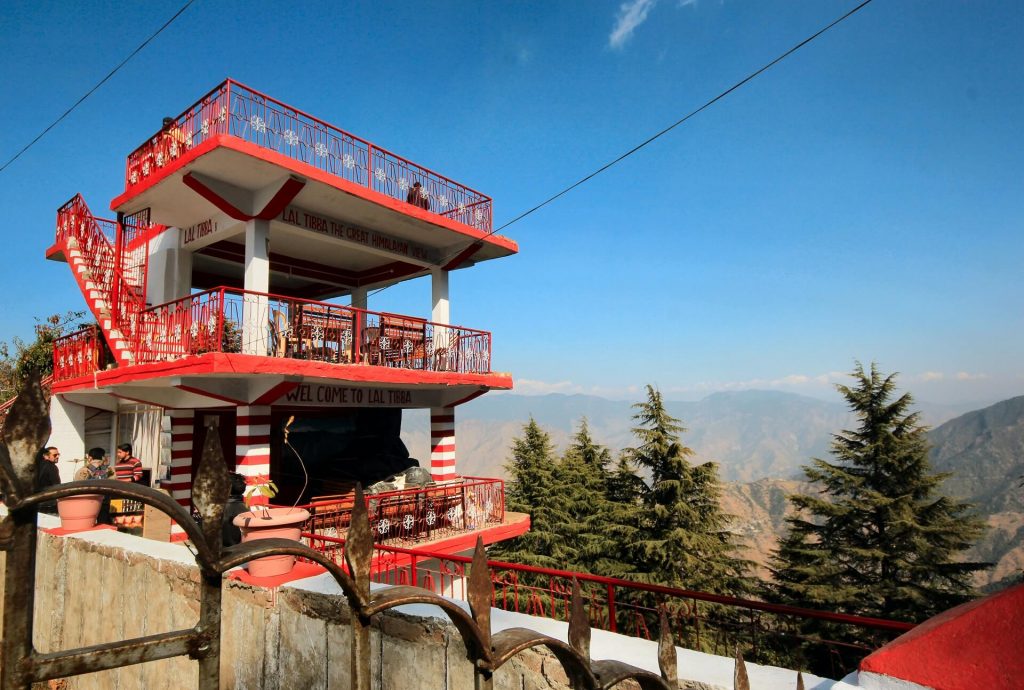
{"points": [[265, 522]]}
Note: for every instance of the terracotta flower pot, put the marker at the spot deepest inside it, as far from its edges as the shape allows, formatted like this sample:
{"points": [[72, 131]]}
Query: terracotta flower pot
{"points": [[79, 512], [271, 523]]}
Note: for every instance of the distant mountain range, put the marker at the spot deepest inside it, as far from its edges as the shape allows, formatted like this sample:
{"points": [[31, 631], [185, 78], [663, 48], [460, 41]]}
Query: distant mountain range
{"points": [[751, 434], [760, 440]]}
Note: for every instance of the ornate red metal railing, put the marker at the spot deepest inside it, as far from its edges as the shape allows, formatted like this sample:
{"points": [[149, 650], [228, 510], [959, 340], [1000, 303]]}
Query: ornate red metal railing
{"points": [[121, 285], [700, 620], [236, 110], [79, 354], [230, 320], [435, 511]]}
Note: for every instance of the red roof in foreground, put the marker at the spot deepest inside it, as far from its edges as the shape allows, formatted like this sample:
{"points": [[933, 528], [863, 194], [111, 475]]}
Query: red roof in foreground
{"points": [[975, 645]]}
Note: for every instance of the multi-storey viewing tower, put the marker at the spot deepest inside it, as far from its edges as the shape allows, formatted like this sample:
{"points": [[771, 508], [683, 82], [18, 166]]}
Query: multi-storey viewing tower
{"points": [[215, 291]]}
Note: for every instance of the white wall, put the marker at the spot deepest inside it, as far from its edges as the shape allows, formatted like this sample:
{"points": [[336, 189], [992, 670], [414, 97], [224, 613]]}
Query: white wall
{"points": [[67, 433]]}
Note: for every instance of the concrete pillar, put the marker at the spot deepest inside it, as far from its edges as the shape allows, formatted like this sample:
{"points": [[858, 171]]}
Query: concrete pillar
{"points": [[442, 443], [440, 311], [169, 275], [252, 447], [255, 314], [359, 297], [359, 301], [67, 433], [180, 484]]}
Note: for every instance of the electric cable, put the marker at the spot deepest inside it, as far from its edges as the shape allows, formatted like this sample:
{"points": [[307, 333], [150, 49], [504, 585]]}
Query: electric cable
{"points": [[649, 140], [101, 83]]}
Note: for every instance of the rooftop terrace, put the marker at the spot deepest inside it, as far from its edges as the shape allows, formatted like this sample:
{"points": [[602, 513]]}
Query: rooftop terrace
{"points": [[235, 110]]}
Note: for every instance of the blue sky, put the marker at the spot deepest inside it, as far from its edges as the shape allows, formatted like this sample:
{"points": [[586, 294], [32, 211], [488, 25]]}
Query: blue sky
{"points": [[861, 200]]}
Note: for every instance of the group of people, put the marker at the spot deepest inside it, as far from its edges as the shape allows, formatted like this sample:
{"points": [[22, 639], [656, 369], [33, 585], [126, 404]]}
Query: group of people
{"points": [[128, 468]]}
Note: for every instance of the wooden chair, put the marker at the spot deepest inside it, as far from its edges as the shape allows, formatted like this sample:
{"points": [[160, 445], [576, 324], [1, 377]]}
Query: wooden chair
{"points": [[405, 336], [279, 332]]}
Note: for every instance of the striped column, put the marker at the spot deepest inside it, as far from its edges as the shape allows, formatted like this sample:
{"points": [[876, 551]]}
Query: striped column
{"points": [[252, 445], [442, 443], [180, 485]]}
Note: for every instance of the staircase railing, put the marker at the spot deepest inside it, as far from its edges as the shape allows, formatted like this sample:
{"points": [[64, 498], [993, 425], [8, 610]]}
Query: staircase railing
{"points": [[78, 228], [79, 354]]}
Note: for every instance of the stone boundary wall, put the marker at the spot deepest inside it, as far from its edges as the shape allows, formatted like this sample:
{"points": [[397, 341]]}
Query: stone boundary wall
{"points": [[104, 586], [97, 589]]}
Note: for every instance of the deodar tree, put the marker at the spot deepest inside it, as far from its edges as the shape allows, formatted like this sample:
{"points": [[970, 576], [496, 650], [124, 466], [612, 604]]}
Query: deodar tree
{"points": [[876, 538]]}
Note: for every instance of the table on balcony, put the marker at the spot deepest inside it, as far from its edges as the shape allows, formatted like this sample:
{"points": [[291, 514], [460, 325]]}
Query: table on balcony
{"points": [[313, 332], [399, 341]]}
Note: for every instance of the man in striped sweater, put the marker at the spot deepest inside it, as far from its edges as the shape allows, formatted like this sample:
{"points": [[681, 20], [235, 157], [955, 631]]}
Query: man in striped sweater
{"points": [[128, 467]]}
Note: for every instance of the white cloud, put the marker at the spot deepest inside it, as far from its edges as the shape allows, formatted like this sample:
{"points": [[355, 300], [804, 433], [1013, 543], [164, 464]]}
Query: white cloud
{"points": [[532, 387], [631, 15], [805, 381], [932, 376], [964, 376]]}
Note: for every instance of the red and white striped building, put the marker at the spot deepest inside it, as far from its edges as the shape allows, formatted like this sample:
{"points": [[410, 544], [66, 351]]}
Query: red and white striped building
{"points": [[231, 293]]}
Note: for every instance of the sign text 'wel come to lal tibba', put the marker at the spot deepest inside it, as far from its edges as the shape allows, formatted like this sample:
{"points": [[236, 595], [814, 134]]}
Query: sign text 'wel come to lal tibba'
{"points": [[301, 218], [344, 396]]}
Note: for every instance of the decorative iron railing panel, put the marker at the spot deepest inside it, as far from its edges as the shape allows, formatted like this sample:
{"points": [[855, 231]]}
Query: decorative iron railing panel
{"points": [[229, 320], [236, 110], [699, 620], [436, 511], [79, 354]]}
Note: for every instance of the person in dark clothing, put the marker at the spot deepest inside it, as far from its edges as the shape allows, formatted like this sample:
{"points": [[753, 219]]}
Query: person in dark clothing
{"points": [[231, 535], [417, 196], [47, 475]]}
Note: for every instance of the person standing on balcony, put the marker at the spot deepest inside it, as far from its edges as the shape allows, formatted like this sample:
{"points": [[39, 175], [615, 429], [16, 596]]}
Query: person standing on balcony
{"points": [[175, 139], [128, 467], [417, 197], [47, 475]]}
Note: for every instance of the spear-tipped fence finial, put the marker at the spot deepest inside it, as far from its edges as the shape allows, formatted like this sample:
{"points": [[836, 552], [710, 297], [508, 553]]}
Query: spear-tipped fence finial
{"points": [[211, 487], [25, 430], [359, 546], [579, 624], [740, 680], [667, 650], [480, 593]]}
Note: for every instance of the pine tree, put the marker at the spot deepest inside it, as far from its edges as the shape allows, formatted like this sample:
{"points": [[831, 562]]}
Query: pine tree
{"points": [[685, 540], [589, 531], [877, 539], [535, 488], [881, 541], [624, 492], [581, 473]]}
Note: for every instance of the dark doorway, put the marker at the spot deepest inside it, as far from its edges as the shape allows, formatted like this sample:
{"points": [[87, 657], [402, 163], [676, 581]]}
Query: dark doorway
{"points": [[338, 448]]}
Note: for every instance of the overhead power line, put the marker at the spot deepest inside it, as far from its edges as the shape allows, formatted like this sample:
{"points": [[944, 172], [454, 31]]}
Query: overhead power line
{"points": [[651, 139], [683, 119], [98, 85]]}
